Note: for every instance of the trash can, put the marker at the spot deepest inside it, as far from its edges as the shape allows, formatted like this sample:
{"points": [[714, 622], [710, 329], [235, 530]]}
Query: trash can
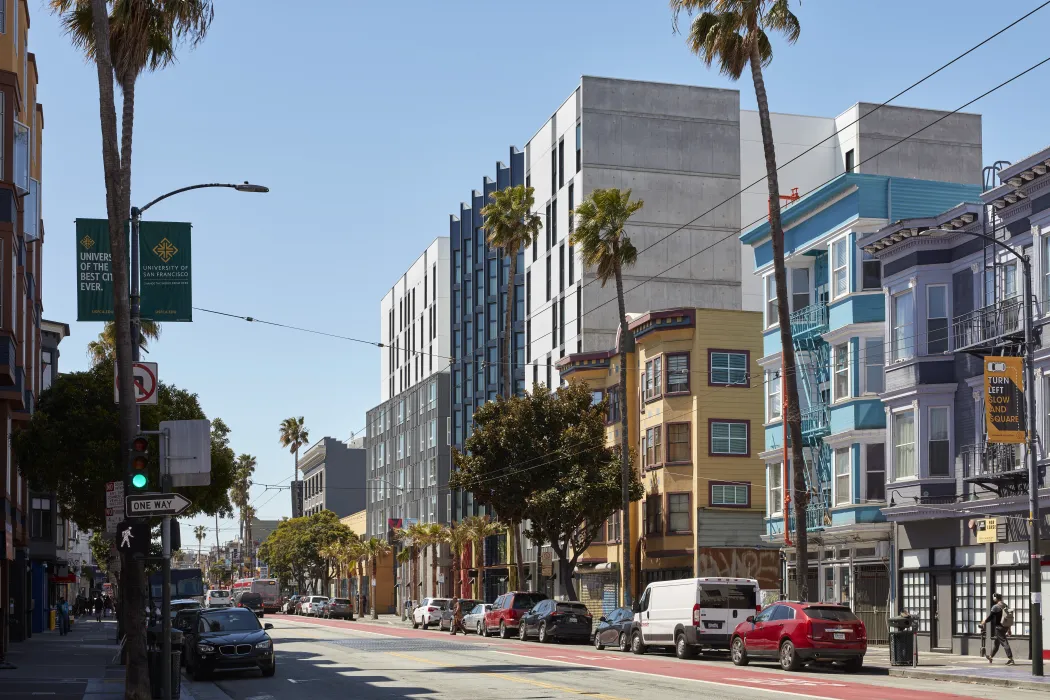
{"points": [[155, 657], [902, 641]]}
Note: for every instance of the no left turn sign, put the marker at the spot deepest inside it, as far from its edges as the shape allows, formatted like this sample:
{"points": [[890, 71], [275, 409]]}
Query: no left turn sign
{"points": [[145, 375]]}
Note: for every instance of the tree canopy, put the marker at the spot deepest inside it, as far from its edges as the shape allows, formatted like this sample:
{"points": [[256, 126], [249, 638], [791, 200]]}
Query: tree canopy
{"points": [[72, 446], [298, 549]]}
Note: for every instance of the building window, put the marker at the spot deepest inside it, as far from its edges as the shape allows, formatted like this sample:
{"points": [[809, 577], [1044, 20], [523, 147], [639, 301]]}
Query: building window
{"points": [[1009, 280], [799, 288], [728, 368], [561, 163], [731, 495], [678, 443], [875, 472], [579, 148], [971, 600], [400, 411], [916, 596], [774, 402], [528, 290], [939, 454], [554, 324], [561, 267], [678, 520], [1046, 274], [40, 519], [653, 515], [432, 441], [678, 373], [870, 272], [936, 319], [904, 444], [614, 406], [550, 262], [401, 446], [840, 268], [903, 326], [775, 479], [493, 322], [841, 384], [561, 324], [874, 371], [653, 438], [493, 277], [572, 208], [612, 528], [729, 438], [1013, 584], [554, 169], [843, 495], [850, 160], [771, 301]]}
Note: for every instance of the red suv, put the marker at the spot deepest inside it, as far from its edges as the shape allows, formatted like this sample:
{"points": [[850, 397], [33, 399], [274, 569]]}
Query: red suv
{"points": [[798, 633], [507, 611]]}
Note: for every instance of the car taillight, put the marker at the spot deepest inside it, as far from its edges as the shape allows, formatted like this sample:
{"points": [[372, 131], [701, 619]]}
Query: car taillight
{"points": [[696, 614], [758, 608], [814, 631], [431, 609]]}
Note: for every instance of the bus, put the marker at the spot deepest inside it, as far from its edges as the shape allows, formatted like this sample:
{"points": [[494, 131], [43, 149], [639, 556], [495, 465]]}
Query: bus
{"points": [[266, 587]]}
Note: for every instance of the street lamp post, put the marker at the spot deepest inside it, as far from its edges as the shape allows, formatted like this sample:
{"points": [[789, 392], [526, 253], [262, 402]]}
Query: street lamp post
{"points": [[136, 331], [1035, 570]]}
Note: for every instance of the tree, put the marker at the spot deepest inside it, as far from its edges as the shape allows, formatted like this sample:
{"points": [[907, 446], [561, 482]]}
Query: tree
{"points": [[372, 550], [480, 529], [414, 537], [103, 349], [200, 532], [734, 33], [293, 435], [512, 226], [432, 535], [100, 550], [457, 538], [603, 243], [76, 423], [239, 494], [297, 548]]}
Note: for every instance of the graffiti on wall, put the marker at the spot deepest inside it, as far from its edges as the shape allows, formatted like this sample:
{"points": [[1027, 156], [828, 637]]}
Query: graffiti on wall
{"points": [[741, 562]]}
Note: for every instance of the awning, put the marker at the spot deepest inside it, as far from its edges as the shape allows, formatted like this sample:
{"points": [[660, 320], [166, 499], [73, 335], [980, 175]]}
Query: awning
{"points": [[68, 578]]}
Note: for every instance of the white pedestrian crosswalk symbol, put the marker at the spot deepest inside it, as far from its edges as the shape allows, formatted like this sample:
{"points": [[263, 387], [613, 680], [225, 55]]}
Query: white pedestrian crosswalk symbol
{"points": [[125, 538]]}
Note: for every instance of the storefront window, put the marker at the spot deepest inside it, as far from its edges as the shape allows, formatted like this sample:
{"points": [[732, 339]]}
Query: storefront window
{"points": [[916, 590], [971, 600], [1013, 585]]}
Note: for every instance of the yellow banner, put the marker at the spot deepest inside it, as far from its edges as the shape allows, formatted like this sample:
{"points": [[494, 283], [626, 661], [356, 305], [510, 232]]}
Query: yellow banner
{"points": [[1004, 399], [987, 531]]}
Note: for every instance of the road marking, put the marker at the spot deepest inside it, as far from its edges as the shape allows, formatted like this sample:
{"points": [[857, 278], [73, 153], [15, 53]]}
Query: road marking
{"points": [[788, 681], [512, 679], [301, 680]]}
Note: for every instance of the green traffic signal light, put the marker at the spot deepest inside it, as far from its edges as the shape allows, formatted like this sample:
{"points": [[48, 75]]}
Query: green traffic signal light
{"points": [[139, 477], [139, 481]]}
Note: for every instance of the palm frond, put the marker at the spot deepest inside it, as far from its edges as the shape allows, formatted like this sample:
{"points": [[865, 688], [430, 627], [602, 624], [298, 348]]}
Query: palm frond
{"points": [[779, 17], [600, 237]]}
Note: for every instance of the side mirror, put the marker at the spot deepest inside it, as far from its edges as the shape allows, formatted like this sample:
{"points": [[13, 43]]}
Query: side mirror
{"points": [[268, 626], [636, 608], [751, 619]]}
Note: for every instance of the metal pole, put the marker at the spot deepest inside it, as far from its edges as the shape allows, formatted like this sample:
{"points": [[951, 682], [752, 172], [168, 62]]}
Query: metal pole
{"points": [[1035, 575], [165, 611]]}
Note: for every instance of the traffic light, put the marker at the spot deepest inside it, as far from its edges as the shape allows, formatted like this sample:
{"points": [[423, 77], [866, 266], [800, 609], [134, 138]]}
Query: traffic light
{"points": [[138, 476]]}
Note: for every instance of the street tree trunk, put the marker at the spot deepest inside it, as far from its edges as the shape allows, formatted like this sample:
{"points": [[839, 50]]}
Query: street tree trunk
{"points": [[434, 569], [372, 597], [626, 345], [508, 357], [518, 570], [792, 412]]}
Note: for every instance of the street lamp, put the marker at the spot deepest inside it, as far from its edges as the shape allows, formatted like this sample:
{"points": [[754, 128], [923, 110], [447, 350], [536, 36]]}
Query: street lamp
{"points": [[1034, 562]]}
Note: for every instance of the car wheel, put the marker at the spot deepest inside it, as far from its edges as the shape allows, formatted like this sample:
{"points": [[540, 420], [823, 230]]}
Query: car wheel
{"points": [[544, 636], [426, 625], [739, 651], [789, 660], [682, 648], [637, 645], [503, 630], [625, 642], [522, 635], [268, 671], [854, 665], [415, 625], [481, 630], [598, 642]]}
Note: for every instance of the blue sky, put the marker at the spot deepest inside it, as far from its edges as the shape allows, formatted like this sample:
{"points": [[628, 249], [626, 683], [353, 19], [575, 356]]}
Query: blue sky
{"points": [[370, 122]]}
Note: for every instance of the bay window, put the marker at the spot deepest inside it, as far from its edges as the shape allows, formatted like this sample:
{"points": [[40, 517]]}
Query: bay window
{"points": [[840, 268], [678, 513], [799, 288], [871, 272], [939, 456], [843, 481], [936, 319], [875, 472], [771, 301], [904, 444], [678, 373], [874, 359], [775, 479], [903, 326], [773, 397], [678, 443], [841, 385]]}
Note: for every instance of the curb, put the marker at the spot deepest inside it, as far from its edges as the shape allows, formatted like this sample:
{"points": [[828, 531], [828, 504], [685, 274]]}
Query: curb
{"points": [[975, 680]]}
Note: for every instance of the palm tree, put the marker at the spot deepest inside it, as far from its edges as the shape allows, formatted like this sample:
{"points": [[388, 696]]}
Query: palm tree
{"points": [[248, 513], [734, 33], [293, 435], [200, 532], [414, 537], [431, 535], [243, 470], [457, 538], [371, 551], [103, 349], [604, 244], [480, 528]]}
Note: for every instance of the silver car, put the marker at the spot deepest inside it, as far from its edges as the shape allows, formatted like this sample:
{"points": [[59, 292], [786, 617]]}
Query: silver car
{"points": [[474, 620]]}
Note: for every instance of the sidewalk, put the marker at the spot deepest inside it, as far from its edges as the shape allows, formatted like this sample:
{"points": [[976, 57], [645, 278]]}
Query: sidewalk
{"points": [[962, 669], [80, 666]]}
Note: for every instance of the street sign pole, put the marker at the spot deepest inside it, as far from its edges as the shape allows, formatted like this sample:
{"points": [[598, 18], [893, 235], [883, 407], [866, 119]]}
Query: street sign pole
{"points": [[165, 529]]}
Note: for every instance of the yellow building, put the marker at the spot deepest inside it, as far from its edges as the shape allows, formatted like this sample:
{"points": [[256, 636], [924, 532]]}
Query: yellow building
{"points": [[694, 394], [383, 593]]}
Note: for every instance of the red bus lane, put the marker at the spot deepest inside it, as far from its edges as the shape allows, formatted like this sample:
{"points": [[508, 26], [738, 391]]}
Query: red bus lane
{"points": [[809, 685]]}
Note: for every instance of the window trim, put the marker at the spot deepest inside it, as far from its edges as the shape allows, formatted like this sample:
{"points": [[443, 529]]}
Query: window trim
{"points": [[711, 494], [667, 443], [768, 383], [658, 386], [947, 318], [658, 450], [863, 343], [769, 322], [778, 508], [893, 443], [688, 511], [832, 269], [747, 368], [907, 352], [688, 373], [710, 441], [835, 398], [836, 501], [929, 440]]}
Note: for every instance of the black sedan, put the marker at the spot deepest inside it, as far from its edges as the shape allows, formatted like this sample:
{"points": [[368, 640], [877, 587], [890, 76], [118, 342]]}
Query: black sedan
{"points": [[614, 630], [228, 639], [554, 620]]}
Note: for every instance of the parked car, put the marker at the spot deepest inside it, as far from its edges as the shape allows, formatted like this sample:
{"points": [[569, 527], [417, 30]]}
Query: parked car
{"points": [[428, 612], [614, 630], [339, 608], [801, 633], [177, 605], [554, 621], [312, 604], [218, 598], [507, 610], [693, 613], [475, 619], [445, 621], [230, 639], [249, 600], [291, 606]]}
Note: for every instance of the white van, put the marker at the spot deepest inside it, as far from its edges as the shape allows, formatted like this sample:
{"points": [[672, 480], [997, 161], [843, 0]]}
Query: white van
{"points": [[692, 613], [217, 598]]}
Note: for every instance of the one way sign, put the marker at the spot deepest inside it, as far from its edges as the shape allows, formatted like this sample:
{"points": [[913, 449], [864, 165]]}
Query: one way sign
{"points": [[145, 505]]}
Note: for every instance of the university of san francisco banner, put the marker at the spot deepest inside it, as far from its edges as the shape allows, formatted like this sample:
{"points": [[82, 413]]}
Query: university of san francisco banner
{"points": [[1004, 399], [165, 266], [94, 271]]}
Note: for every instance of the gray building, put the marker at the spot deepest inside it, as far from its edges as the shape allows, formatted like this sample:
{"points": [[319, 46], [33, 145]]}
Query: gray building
{"points": [[333, 478], [409, 458], [957, 500]]}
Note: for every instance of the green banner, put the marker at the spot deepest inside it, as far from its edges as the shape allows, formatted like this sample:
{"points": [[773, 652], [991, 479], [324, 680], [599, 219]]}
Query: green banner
{"points": [[164, 263], [94, 271]]}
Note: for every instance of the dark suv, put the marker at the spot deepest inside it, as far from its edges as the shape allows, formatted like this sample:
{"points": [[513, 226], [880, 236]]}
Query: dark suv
{"points": [[507, 611], [251, 601]]}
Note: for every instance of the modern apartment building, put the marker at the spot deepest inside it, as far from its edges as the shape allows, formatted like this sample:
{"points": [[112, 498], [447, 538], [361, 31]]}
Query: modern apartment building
{"points": [[959, 500], [334, 477], [21, 241]]}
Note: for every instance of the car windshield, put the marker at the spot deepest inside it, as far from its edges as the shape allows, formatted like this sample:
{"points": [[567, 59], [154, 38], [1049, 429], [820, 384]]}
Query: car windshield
{"points": [[340, 601], [220, 594], [184, 606], [833, 614], [439, 603], [573, 608], [230, 621], [524, 601]]}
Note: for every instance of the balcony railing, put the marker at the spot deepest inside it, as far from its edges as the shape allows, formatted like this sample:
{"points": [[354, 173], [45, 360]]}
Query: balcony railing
{"points": [[816, 517], [816, 422], [989, 460], [988, 325], [809, 321]]}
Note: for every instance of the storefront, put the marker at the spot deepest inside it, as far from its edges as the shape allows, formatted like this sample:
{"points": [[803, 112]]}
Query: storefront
{"points": [[598, 587]]}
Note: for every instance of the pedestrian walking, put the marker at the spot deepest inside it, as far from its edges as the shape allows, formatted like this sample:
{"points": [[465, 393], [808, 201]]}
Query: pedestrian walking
{"points": [[1002, 619], [98, 609], [63, 617], [456, 623]]}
